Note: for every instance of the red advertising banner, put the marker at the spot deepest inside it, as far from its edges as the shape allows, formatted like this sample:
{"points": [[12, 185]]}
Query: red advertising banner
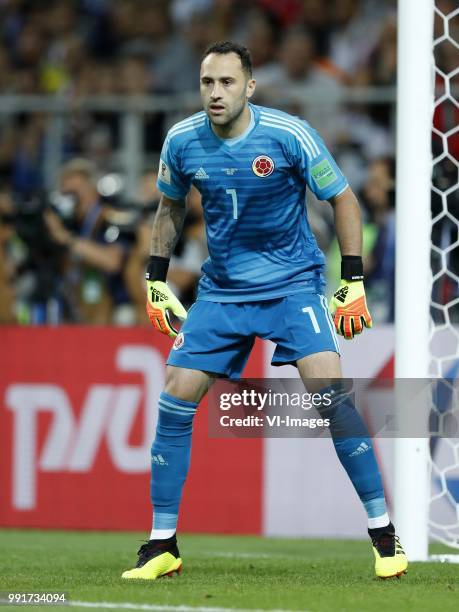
{"points": [[78, 411]]}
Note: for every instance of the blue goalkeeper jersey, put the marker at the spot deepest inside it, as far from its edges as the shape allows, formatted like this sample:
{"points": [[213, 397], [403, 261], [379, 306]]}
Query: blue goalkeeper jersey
{"points": [[253, 192]]}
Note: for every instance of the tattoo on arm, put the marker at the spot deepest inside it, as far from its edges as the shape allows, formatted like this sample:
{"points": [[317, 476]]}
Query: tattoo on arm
{"points": [[167, 226]]}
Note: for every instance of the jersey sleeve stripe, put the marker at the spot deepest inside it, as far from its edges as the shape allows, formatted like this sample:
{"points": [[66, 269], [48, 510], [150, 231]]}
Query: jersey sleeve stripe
{"points": [[291, 131], [185, 129], [342, 190], [298, 126], [191, 121]]}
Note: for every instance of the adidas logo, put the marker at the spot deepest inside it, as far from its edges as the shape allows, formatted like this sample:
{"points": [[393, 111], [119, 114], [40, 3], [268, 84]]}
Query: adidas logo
{"points": [[158, 296], [362, 448], [158, 460], [341, 294], [201, 174]]}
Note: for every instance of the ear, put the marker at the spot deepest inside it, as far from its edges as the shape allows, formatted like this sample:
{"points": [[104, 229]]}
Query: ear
{"points": [[250, 89]]}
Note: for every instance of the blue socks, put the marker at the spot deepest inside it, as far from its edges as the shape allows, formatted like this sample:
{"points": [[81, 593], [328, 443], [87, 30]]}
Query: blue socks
{"points": [[355, 452], [170, 460], [171, 450]]}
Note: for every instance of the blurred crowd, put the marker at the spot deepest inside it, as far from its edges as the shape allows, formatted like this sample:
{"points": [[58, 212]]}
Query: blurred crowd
{"points": [[76, 253]]}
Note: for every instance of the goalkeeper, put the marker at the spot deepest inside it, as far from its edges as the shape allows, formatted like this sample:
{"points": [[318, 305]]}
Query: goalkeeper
{"points": [[263, 278]]}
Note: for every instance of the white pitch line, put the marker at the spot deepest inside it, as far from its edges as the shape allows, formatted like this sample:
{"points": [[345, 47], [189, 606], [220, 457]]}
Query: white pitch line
{"points": [[152, 607]]}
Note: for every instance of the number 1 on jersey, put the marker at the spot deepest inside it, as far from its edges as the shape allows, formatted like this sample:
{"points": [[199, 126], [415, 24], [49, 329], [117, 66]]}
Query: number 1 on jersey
{"points": [[233, 194]]}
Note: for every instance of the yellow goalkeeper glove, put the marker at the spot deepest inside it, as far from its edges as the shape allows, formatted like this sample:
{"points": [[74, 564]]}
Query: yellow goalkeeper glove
{"points": [[348, 304], [161, 301]]}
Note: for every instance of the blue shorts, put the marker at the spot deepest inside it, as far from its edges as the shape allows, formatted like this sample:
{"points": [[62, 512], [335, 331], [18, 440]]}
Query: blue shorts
{"points": [[218, 337]]}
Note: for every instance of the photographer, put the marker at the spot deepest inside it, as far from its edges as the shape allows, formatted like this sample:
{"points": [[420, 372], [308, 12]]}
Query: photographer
{"points": [[95, 252]]}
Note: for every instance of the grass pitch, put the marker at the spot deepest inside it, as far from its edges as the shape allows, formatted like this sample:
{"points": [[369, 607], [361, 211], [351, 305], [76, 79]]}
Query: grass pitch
{"points": [[220, 572]]}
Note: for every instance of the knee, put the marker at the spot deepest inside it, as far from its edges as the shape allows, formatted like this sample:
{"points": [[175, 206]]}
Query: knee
{"points": [[345, 420], [174, 385], [183, 385]]}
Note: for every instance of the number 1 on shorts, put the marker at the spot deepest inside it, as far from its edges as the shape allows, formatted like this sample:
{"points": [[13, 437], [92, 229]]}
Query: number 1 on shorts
{"points": [[313, 318]]}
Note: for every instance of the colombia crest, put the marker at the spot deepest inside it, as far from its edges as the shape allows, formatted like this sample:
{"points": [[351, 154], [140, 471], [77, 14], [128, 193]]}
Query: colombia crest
{"points": [[263, 165], [179, 341]]}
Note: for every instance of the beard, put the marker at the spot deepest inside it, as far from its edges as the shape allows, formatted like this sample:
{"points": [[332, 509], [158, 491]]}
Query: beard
{"points": [[228, 117]]}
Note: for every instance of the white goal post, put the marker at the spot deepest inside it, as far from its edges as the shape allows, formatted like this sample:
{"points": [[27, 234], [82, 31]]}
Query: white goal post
{"points": [[412, 283], [414, 327]]}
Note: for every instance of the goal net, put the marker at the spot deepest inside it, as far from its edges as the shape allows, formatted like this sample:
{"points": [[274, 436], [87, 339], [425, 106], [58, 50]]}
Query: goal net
{"points": [[444, 327]]}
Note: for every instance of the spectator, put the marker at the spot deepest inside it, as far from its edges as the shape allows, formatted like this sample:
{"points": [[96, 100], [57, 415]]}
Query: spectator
{"points": [[379, 200], [27, 162], [315, 16], [177, 69], [262, 35], [91, 271], [297, 69], [136, 80], [354, 38], [30, 46], [382, 65], [287, 12], [8, 143], [7, 268], [5, 71], [65, 59], [93, 135]]}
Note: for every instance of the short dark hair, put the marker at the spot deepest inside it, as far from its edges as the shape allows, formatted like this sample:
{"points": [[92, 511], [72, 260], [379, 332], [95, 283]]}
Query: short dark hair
{"points": [[225, 47]]}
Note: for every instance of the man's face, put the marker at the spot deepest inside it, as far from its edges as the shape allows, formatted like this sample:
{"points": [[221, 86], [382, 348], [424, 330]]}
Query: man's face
{"points": [[225, 87], [296, 55], [82, 188]]}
